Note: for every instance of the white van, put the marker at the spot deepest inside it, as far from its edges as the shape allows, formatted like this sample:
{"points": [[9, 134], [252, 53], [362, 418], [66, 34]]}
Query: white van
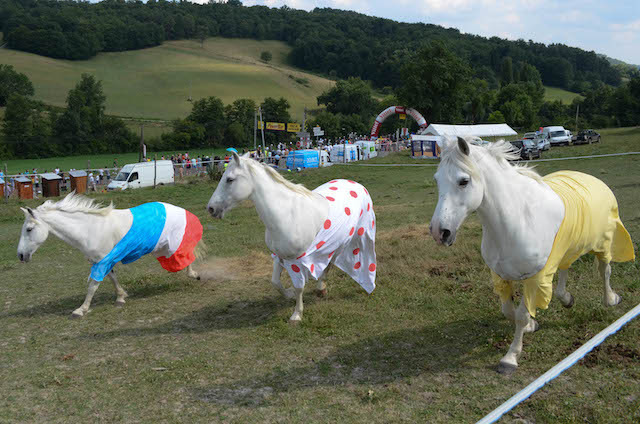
{"points": [[556, 135], [138, 175]]}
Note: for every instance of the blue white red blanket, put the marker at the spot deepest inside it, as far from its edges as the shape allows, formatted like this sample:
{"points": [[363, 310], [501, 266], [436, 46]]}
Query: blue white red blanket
{"points": [[169, 232]]}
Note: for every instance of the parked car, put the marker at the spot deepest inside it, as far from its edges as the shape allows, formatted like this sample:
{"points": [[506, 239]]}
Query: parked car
{"points": [[587, 137], [542, 142], [138, 175], [556, 135], [529, 136], [528, 149]]}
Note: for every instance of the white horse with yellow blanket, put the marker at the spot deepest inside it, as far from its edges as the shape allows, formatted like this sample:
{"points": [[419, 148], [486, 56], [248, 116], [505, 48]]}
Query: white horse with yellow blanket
{"points": [[531, 227]]}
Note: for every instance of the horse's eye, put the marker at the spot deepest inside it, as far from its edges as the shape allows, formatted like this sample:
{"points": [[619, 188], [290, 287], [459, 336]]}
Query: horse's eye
{"points": [[29, 230], [230, 180], [463, 182]]}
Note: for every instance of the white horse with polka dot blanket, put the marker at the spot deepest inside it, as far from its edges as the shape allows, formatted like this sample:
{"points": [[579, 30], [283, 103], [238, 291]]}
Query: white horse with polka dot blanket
{"points": [[306, 231]]}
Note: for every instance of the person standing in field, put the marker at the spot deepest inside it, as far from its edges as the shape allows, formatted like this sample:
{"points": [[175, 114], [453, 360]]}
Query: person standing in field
{"points": [[92, 181]]}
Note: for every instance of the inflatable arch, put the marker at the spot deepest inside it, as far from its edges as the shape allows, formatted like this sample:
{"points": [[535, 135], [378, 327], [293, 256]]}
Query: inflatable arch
{"points": [[391, 110]]}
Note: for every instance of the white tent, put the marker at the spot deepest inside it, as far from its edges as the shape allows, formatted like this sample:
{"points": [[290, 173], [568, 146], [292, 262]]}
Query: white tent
{"points": [[480, 130]]}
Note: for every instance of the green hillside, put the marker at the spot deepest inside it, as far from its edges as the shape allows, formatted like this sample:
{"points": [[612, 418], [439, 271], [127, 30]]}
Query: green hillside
{"points": [[554, 93], [157, 82]]}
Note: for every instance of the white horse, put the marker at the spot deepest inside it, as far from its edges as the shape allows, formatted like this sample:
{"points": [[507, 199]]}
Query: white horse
{"points": [[306, 231], [531, 227], [96, 231]]}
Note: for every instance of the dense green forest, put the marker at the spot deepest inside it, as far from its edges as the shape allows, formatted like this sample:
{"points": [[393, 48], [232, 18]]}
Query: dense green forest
{"points": [[333, 42]]}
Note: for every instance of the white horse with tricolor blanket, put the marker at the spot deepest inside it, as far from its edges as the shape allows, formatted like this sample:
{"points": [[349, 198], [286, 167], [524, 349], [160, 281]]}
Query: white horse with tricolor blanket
{"points": [[532, 226], [107, 236], [306, 231]]}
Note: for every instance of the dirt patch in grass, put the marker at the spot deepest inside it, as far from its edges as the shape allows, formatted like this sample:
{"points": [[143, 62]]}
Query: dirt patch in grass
{"points": [[405, 233], [617, 353], [253, 266]]}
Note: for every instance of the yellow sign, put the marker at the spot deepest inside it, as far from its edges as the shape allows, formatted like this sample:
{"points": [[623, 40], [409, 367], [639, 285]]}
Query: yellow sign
{"points": [[293, 127], [260, 125], [277, 126], [403, 116]]}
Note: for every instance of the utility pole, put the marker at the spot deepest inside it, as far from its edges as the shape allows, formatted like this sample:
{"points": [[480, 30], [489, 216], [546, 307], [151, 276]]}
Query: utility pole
{"points": [[577, 112], [6, 183], [263, 125], [141, 142], [255, 127]]}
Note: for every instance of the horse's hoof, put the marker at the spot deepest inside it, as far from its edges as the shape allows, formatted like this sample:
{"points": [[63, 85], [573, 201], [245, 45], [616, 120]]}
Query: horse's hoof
{"points": [[321, 293], [75, 315], [294, 322], [570, 303], [506, 369], [119, 303]]}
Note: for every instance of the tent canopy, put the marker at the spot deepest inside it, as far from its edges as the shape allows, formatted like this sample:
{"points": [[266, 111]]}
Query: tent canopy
{"points": [[480, 130]]}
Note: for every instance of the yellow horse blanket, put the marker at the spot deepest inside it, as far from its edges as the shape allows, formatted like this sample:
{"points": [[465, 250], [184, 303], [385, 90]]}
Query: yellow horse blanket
{"points": [[591, 224]]}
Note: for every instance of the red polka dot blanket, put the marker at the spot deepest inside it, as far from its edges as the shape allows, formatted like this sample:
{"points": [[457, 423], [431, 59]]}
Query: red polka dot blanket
{"points": [[346, 239]]}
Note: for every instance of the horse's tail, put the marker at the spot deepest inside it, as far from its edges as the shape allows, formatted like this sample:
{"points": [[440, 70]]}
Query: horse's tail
{"points": [[201, 250]]}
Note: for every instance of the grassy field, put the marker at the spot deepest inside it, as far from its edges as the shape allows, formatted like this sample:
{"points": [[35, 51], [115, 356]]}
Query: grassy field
{"points": [[553, 93], [157, 82], [422, 348]]}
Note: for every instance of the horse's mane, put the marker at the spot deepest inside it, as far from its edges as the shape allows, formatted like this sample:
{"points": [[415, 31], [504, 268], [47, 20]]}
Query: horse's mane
{"points": [[277, 177], [502, 151], [74, 202]]}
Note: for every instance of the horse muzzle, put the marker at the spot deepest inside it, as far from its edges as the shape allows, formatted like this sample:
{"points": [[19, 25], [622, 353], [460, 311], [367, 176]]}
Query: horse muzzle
{"points": [[442, 236], [24, 257], [217, 213]]}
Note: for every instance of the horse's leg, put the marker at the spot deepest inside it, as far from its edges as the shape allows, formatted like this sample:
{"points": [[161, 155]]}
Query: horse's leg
{"points": [[561, 289], [120, 293], [84, 308], [297, 312], [524, 324], [191, 273], [321, 287], [275, 280], [508, 307], [610, 297]]}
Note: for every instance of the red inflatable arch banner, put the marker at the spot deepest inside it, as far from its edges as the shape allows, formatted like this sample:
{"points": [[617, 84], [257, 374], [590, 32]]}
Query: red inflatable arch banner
{"points": [[392, 110]]}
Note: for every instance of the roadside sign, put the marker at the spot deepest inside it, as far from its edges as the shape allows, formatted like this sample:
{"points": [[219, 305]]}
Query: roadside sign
{"points": [[293, 127], [277, 126]]}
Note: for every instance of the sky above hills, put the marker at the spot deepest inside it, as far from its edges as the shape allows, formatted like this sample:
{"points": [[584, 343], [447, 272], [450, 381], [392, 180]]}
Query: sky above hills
{"points": [[609, 27]]}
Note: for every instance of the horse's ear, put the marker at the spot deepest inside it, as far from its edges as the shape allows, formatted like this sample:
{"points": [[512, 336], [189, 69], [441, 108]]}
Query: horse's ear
{"points": [[463, 145], [28, 212], [236, 158], [246, 155]]}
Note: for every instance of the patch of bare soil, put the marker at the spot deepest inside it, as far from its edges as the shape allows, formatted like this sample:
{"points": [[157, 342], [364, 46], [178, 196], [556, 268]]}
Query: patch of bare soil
{"points": [[611, 353], [405, 233], [254, 265]]}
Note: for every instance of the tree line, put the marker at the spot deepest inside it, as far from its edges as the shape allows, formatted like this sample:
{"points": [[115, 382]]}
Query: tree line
{"points": [[32, 129], [337, 43]]}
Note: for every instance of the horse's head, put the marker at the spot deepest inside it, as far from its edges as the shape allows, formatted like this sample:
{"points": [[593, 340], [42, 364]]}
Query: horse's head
{"points": [[235, 186], [34, 233], [460, 191]]}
